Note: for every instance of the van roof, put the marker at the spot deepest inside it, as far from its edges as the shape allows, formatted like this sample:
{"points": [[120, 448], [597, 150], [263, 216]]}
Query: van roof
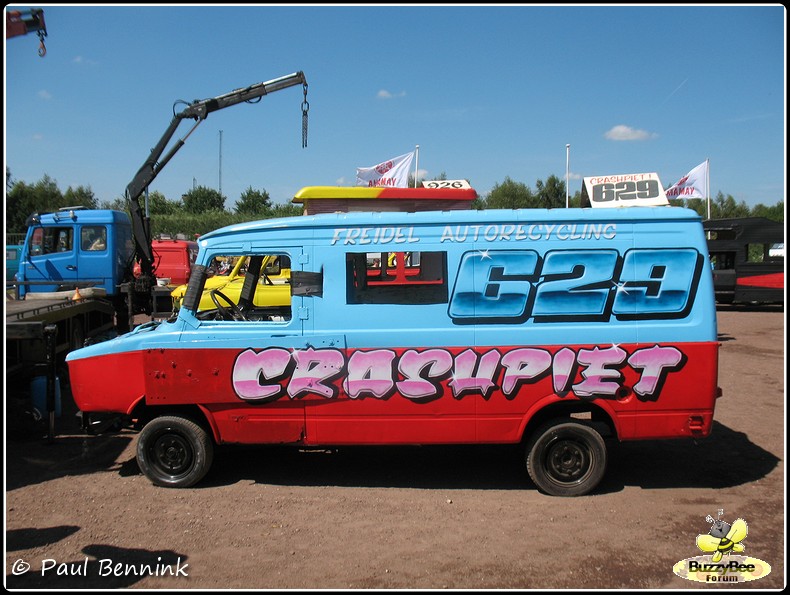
{"points": [[460, 217]]}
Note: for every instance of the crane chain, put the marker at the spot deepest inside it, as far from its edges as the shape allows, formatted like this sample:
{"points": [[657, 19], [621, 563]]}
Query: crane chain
{"points": [[305, 109]]}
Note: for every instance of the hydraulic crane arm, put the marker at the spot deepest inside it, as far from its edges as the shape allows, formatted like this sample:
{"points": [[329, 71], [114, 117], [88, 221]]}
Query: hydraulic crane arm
{"points": [[198, 111], [22, 22]]}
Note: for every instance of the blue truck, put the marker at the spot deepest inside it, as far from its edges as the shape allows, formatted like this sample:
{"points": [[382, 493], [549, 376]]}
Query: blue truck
{"points": [[77, 278]]}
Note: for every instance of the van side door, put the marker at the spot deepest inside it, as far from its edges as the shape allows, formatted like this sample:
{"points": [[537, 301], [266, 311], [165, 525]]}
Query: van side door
{"points": [[240, 353]]}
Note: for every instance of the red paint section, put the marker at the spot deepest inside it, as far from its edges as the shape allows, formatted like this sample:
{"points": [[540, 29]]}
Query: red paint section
{"points": [[774, 281], [428, 193], [682, 405], [108, 383]]}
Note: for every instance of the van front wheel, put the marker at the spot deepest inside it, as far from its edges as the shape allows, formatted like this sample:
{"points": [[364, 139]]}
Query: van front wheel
{"points": [[566, 458], [174, 452]]}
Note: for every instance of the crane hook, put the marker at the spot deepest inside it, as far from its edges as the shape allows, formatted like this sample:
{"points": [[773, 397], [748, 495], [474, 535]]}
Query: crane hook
{"points": [[42, 49]]}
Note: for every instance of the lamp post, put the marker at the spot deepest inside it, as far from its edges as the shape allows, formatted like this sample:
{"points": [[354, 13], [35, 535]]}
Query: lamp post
{"points": [[567, 174]]}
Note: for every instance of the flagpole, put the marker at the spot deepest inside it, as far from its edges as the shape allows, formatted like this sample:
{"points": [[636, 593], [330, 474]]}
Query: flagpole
{"points": [[416, 163], [707, 183], [567, 174]]}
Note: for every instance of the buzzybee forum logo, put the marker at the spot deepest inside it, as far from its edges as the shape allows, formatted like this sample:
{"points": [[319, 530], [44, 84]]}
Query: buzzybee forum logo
{"points": [[722, 564]]}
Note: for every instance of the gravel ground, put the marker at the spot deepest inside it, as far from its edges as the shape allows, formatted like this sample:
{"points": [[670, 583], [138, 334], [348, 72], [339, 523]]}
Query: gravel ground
{"points": [[79, 514]]}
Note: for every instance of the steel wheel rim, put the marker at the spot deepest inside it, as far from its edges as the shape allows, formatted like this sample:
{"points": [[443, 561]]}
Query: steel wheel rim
{"points": [[172, 454], [568, 461]]}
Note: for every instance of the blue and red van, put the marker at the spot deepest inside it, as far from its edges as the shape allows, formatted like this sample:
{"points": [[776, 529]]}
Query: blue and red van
{"points": [[557, 329]]}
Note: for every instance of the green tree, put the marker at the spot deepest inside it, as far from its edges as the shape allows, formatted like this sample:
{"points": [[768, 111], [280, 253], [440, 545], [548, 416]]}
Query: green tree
{"points": [[159, 205], [80, 196], [726, 208], [23, 200], [699, 205], [510, 195], [774, 213], [253, 203], [202, 199], [285, 210], [551, 195], [116, 204]]}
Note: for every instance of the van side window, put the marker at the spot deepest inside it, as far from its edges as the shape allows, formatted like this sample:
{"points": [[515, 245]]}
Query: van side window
{"points": [[396, 278], [246, 288]]}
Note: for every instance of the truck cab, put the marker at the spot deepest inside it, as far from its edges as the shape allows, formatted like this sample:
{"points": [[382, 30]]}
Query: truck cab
{"points": [[173, 260], [75, 247]]}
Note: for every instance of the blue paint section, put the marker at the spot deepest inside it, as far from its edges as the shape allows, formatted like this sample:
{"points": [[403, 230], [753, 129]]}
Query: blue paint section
{"points": [[511, 277]]}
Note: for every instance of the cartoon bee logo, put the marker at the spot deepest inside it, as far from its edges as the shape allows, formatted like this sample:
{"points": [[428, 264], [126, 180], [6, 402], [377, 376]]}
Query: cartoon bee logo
{"points": [[723, 538]]}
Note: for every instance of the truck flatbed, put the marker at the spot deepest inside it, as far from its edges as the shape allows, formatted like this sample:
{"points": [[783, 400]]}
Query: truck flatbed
{"points": [[50, 311]]}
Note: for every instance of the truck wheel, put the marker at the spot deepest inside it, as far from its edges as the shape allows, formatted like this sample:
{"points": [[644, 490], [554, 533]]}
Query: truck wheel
{"points": [[566, 458], [174, 452]]}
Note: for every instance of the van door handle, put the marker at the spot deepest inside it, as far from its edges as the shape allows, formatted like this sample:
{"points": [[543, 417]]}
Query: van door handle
{"points": [[71, 267]]}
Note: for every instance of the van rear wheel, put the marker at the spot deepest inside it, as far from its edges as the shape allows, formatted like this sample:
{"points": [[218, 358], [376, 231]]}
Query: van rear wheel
{"points": [[174, 452], [566, 458]]}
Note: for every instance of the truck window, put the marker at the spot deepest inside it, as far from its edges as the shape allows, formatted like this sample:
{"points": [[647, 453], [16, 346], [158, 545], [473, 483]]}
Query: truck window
{"points": [[396, 277], [47, 240], [93, 238]]}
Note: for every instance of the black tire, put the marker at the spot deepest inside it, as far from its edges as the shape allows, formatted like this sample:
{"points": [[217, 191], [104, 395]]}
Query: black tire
{"points": [[174, 452], [566, 458]]}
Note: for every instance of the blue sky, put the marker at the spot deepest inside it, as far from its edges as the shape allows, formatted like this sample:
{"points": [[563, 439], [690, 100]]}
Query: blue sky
{"points": [[487, 92]]}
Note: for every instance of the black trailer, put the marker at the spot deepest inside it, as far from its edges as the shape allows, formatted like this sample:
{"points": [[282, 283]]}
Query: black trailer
{"points": [[748, 265]]}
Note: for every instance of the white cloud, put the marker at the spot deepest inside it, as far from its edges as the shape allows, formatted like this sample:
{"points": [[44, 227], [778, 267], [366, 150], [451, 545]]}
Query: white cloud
{"points": [[623, 132], [81, 60], [44, 94], [384, 94]]}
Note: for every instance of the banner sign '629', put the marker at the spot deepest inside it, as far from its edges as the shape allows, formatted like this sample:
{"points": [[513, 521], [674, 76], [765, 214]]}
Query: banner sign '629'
{"points": [[624, 190]]}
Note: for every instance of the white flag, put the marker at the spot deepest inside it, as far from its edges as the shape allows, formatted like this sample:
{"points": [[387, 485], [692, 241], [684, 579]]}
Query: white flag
{"points": [[393, 173], [693, 185]]}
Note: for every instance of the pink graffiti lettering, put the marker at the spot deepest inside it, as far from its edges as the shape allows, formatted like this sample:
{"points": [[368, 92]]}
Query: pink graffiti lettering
{"points": [[464, 377], [523, 365], [370, 372], [653, 362], [564, 360], [421, 375], [250, 368], [598, 379], [436, 363], [313, 369]]}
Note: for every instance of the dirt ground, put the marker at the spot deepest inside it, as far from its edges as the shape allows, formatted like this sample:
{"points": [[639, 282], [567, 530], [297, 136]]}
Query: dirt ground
{"points": [[79, 514]]}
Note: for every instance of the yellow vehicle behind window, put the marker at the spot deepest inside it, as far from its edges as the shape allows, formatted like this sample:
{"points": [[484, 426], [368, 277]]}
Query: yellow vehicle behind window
{"points": [[228, 278]]}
